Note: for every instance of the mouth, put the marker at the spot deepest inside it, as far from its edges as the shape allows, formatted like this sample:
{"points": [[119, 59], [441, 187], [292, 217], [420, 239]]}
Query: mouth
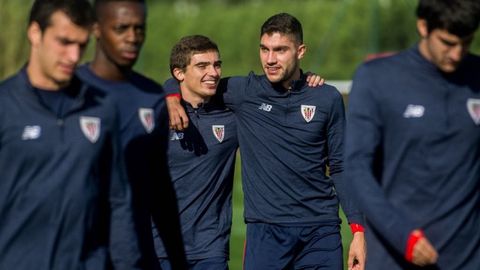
{"points": [[67, 69], [130, 54], [272, 69], [211, 84]]}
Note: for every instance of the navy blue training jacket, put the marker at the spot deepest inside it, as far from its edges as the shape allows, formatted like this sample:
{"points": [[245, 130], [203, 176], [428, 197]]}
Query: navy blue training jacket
{"points": [[64, 199], [144, 137], [201, 161], [413, 156]]}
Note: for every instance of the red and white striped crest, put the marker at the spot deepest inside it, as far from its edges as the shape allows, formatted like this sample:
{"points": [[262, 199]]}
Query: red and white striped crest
{"points": [[90, 127], [308, 111], [473, 106], [219, 132], [147, 119]]}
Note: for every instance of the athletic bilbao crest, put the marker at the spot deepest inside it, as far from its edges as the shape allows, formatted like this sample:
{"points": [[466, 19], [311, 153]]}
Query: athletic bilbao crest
{"points": [[146, 117], [308, 112], [219, 132], [90, 127], [473, 106]]}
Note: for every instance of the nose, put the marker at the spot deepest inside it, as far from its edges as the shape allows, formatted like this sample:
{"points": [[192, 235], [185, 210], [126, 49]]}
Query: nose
{"points": [[214, 71], [74, 53], [457, 52], [271, 58]]}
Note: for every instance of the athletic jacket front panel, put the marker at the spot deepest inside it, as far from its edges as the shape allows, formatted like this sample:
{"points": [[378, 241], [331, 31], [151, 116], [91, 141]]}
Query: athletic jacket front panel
{"points": [[62, 183], [287, 140], [201, 161], [412, 151]]}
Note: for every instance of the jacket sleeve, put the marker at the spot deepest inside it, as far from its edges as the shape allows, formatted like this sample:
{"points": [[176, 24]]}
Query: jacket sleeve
{"points": [[163, 199], [123, 241], [335, 137], [363, 161]]}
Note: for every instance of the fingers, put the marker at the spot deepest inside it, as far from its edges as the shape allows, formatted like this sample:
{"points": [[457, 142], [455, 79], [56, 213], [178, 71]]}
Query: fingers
{"points": [[314, 80], [357, 253], [178, 118], [424, 253]]}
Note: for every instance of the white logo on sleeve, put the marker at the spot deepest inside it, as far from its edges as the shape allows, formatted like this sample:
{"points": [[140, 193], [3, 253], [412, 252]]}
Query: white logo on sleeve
{"points": [[147, 119], [219, 132], [473, 106], [265, 107], [414, 111], [308, 111], [90, 127], [31, 133]]}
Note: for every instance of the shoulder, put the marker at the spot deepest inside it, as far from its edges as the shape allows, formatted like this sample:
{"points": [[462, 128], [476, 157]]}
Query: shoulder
{"points": [[146, 84]]}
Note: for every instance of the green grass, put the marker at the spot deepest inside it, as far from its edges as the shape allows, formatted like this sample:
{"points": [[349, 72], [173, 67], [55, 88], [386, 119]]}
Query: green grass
{"points": [[238, 229]]}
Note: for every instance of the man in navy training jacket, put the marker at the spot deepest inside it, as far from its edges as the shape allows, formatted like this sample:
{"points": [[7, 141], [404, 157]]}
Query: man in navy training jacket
{"points": [[412, 145], [288, 134], [64, 198], [202, 157], [119, 31]]}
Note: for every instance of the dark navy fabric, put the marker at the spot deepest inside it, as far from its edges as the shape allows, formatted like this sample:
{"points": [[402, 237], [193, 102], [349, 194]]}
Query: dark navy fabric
{"points": [[144, 137], [285, 154], [64, 199], [201, 161], [413, 157], [215, 263], [272, 246]]}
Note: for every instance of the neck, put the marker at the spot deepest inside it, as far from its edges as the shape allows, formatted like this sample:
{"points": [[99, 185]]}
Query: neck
{"points": [[191, 98], [287, 84]]}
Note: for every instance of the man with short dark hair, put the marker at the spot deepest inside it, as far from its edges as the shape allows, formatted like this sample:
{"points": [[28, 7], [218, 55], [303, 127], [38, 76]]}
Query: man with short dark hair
{"points": [[119, 31], [64, 198], [288, 134], [413, 134], [202, 157]]}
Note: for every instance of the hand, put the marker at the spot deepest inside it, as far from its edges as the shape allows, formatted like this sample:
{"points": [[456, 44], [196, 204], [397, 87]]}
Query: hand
{"points": [[423, 252], [177, 115], [357, 253], [314, 80]]}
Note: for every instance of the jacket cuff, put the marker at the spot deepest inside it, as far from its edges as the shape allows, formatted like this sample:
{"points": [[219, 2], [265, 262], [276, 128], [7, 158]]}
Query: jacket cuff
{"points": [[411, 242]]}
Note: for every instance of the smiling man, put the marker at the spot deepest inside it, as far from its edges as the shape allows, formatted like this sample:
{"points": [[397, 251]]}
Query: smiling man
{"points": [[120, 33], [202, 157], [413, 135]]}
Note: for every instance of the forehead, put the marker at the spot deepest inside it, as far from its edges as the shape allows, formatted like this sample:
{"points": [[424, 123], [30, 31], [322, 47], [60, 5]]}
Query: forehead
{"points": [[208, 56], [122, 11], [61, 25], [277, 39]]}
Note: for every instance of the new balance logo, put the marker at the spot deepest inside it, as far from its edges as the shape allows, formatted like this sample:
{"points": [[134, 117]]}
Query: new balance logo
{"points": [[265, 107], [176, 136], [31, 133], [414, 111]]}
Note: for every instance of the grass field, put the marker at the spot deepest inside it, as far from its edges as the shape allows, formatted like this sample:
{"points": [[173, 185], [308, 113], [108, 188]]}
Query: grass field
{"points": [[238, 228]]}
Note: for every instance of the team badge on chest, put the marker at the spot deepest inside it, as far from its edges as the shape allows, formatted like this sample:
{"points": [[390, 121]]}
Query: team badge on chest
{"points": [[146, 117], [219, 132], [473, 106], [90, 127], [308, 112]]}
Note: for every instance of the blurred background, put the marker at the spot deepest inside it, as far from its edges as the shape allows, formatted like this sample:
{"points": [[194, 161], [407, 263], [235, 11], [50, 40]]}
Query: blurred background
{"points": [[339, 34]]}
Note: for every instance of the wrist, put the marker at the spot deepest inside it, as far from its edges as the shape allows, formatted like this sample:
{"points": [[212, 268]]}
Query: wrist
{"points": [[411, 242], [177, 95], [355, 227]]}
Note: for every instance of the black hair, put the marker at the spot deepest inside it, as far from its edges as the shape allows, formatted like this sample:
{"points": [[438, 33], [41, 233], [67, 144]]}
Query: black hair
{"points": [[458, 17], [283, 23], [183, 50], [80, 12]]}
